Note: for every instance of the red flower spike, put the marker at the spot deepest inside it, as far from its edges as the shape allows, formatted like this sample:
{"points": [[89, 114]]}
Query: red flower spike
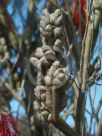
{"points": [[8, 126], [76, 17]]}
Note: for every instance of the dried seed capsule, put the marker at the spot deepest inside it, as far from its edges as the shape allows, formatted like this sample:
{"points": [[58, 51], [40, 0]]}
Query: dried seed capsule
{"points": [[2, 41], [58, 31], [43, 105], [42, 24], [56, 82], [52, 18], [60, 70], [36, 105], [58, 42], [39, 53], [58, 49], [58, 21], [44, 61], [43, 97], [45, 115], [58, 46], [35, 62], [57, 12], [46, 19], [60, 76], [50, 55], [48, 80], [42, 31], [45, 48], [49, 28], [50, 118]]}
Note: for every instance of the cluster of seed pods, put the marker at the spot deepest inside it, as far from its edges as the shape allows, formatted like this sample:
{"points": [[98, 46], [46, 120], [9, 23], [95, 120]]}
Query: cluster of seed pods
{"points": [[53, 77], [4, 54]]}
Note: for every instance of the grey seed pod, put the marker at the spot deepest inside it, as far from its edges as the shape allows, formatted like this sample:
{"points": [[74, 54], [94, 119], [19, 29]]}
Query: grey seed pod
{"points": [[49, 52], [48, 80], [58, 49], [45, 33], [39, 53], [65, 70], [57, 12], [50, 55], [60, 76], [54, 66], [58, 42], [36, 105], [45, 115], [49, 28], [44, 61], [50, 118], [2, 41], [42, 89], [37, 90], [46, 48], [43, 105], [35, 62], [52, 18], [58, 46], [46, 20], [58, 71], [42, 31], [43, 24], [43, 97], [59, 21], [58, 31], [58, 84], [37, 95]]}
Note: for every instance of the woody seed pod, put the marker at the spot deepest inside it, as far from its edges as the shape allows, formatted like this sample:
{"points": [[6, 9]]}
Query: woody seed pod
{"points": [[58, 21], [43, 105], [50, 55], [58, 31], [52, 18], [57, 12], [43, 96], [49, 28], [45, 48], [39, 53], [60, 76], [45, 115], [50, 118], [48, 80]]}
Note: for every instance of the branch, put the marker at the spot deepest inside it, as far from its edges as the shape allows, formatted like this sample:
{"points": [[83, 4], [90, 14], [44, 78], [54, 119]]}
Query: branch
{"points": [[13, 92], [92, 31], [64, 127]]}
